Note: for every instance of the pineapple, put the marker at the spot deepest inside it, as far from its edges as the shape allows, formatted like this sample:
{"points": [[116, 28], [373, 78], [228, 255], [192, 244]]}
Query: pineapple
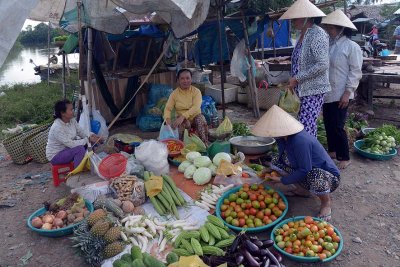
{"points": [[112, 235], [100, 228], [96, 216], [113, 249]]}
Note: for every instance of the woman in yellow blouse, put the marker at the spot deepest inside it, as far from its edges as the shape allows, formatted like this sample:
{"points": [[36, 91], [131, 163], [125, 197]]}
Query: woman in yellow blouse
{"points": [[186, 100]]}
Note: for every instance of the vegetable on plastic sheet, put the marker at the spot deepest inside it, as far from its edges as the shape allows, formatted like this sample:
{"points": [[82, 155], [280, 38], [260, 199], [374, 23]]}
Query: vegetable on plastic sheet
{"points": [[221, 156], [191, 156], [190, 171], [182, 167], [202, 176], [154, 156], [202, 161]]}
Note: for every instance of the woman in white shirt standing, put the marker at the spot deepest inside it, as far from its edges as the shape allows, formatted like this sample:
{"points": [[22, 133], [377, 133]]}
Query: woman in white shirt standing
{"points": [[67, 141], [345, 59]]}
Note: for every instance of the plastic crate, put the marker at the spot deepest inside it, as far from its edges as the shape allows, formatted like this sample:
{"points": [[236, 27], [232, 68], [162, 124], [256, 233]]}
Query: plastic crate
{"points": [[230, 92]]}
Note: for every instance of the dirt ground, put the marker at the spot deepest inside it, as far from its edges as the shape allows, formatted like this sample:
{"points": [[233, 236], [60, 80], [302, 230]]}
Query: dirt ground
{"points": [[366, 209]]}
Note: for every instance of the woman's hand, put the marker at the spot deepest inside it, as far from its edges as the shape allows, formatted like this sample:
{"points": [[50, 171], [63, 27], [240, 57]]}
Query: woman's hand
{"points": [[292, 84], [178, 122], [96, 139], [275, 179], [344, 100], [168, 121]]}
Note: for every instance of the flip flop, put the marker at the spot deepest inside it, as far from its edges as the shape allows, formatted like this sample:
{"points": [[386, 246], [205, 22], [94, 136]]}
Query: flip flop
{"points": [[326, 217], [294, 194]]}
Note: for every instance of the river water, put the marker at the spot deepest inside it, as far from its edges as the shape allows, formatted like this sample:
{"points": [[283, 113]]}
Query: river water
{"points": [[18, 69]]}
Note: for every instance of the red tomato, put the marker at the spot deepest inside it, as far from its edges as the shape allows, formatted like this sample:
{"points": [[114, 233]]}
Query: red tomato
{"points": [[314, 228], [247, 212], [223, 215], [260, 215], [308, 219], [330, 231], [238, 208], [253, 211], [267, 212], [260, 197], [273, 218], [253, 197], [232, 204], [242, 222]]}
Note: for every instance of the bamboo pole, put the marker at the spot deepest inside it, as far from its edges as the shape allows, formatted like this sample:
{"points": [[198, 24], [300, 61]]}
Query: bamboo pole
{"points": [[220, 18], [251, 78], [48, 55], [81, 58], [89, 69], [63, 75]]}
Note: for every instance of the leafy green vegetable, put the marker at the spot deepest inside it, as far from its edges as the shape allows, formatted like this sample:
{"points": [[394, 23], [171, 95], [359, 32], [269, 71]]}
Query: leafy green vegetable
{"points": [[389, 130], [240, 129]]}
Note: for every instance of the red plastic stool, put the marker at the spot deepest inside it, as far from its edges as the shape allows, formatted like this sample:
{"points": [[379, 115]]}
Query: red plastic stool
{"points": [[62, 169]]}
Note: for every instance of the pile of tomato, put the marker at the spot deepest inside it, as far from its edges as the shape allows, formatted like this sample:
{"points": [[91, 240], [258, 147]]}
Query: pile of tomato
{"points": [[252, 206], [308, 238]]}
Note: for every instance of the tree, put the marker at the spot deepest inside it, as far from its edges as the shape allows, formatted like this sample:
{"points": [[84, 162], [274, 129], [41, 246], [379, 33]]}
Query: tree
{"points": [[37, 35]]}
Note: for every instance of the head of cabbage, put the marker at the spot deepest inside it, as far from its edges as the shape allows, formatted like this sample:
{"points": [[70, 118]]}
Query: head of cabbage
{"points": [[182, 167], [191, 156], [202, 176], [190, 171], [202, 161], [220, 156]]}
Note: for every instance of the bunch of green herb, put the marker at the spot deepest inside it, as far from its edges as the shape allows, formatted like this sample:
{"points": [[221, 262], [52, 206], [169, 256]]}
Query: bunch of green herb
{"points": [[389, 130], [240, 129]]}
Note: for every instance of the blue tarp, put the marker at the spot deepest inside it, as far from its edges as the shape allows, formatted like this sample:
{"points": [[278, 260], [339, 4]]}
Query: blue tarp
{"points": [[282, 36]]}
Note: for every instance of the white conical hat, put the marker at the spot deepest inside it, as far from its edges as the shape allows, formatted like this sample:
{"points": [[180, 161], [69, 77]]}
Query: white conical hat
{"points": [[338, 18], [302, 9], [276, 123], [397, 12]]}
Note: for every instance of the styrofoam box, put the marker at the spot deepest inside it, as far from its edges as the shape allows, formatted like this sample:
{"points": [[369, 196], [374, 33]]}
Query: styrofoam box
{"points": [[230, 92]]}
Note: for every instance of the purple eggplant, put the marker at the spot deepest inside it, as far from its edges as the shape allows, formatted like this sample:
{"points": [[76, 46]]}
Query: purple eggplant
{"points": [[258, 243], [263, 252], [267, 243], [276, 254], [273, 258], [251, 247], [232, 249], [250, 260], [239, 259], [266, 263]]}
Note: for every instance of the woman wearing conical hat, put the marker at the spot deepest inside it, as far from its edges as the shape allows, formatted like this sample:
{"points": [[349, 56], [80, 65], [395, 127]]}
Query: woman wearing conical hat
{"points": [[303, 160], [344, 76], [310, 62]]}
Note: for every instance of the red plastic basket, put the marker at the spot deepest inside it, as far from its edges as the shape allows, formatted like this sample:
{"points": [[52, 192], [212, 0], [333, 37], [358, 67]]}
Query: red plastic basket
{"points": [[177, 142], [112, 166]]}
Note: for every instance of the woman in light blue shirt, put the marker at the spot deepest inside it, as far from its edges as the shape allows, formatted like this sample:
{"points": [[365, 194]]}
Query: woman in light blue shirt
{"points": [[345, 62]]}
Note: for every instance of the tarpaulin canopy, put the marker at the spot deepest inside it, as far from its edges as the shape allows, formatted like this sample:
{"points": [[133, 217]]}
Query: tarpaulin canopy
{"points": [[111, 16]]}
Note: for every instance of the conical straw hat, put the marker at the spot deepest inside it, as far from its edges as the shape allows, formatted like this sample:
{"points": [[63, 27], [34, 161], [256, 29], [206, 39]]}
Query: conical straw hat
{"points": [[276, 123], [397, 12], [338, 18], [302, 9]]}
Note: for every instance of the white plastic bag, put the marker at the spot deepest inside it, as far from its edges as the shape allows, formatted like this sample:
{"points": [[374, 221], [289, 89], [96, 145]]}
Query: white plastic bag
{"points": [[84, 120], [167, 132], [154, 156], [239, 64], [103, 126]]}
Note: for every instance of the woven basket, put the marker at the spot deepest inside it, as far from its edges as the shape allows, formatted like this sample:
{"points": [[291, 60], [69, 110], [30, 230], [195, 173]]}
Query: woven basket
{"points": [[15, 144], [267, 97], [35, 146]]}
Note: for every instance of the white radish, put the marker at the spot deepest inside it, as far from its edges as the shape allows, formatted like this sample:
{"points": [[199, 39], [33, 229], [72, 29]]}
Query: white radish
{"points": [[208, 200], [147, 234], [190, 228], [201, 205], [160, 238], [208, 204], [175, 231], [123, 236], [151, 226], [143, 241], [159, 228], [180, 224], [162, 245], [134, 242], [214, 187], [160, 223], [137, 230]]}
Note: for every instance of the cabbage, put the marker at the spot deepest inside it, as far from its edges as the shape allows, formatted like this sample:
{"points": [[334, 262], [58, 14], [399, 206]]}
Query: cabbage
{"points": [[213, 169], [182, 167], [202, 161], [190, 171], [202, 176], [192, 155], [220, 156]]}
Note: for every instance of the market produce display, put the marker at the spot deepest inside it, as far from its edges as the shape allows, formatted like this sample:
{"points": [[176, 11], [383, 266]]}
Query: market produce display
{"points": [[248, 251], [98, 237], [168, 199], [307, 237], [174, 146], [251, 206], [61, 213], [138, 259], [199, 168], [240, 129], [388, 130], [129, 188], [379, 143]]}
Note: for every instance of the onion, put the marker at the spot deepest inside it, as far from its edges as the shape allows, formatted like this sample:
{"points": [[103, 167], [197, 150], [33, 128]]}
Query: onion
{"points": [[47, 226], [48, 219], [62, 214], [58, 222], [37, 222]]}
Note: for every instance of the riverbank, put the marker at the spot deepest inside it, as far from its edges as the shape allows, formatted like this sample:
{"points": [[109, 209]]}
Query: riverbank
{"points": [[28, 103]]}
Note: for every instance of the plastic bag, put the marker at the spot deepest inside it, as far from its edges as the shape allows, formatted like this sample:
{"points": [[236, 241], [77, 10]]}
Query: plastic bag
{"points": [[240, 64], [166, 132], [84, 120], [95, 126], [158, 91], [103, 132], [149, 123], [208, 109], [194, 139], [154, 156], [289, 102], [134, 167], [225, 127], [129, 187]]}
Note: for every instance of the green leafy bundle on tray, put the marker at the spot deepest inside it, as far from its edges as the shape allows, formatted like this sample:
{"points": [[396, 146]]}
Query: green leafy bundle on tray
{"points": [[379, 143]]}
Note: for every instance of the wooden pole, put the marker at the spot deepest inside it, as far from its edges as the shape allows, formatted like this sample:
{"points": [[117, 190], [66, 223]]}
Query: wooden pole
{"points": [[48, 55], [89, 69], [251, 78], [262, 45], [63, 75], [185, 45], [81, 58], [220, 18]]}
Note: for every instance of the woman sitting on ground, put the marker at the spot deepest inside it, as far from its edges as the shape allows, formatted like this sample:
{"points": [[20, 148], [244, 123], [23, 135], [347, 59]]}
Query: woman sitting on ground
{"points": [[186, 100], [302, 159], [67, 140]]}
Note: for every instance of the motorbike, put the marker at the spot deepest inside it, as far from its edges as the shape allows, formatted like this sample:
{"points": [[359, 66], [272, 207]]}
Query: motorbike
{"points": [[372, 48]]}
